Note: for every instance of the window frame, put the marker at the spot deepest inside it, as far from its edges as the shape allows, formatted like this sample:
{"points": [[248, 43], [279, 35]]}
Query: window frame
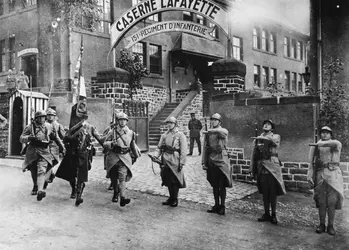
{"points": [[287, 80], [256, 43], [265, 76], [12, 53], [151, 66], [143, 54], [273, 75], [294, 82], [257, 75], [238, 49], [2, 55], [272, 42]]}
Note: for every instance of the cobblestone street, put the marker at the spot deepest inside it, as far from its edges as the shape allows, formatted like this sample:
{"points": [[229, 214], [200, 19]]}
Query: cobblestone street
{"points": [[144, 180]]}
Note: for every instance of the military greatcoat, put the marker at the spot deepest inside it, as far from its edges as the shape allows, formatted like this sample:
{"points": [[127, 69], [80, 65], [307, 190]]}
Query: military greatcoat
{"points": [[54, 148], [125, 139], [215, 154], [177, 140], [44, 132]]}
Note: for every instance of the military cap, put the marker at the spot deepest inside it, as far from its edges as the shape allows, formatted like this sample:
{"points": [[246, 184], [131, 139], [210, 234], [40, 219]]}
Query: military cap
{"points": [[171, 119], [326, 128], [216, 116], [271, 123], [50, 112], [121, 116]]}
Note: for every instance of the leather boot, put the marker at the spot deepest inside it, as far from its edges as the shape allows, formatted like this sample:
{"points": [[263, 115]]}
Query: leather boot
{"points": [[330, 230], [174, 203], [124, 201], [45, 185], [273, 219], [35, 190], [41, 195], [73, 190], [110, 186], [167, 202], [115, 196], [221, 210], [79, 200], [321, 229], [265, 217], [213, 209]]}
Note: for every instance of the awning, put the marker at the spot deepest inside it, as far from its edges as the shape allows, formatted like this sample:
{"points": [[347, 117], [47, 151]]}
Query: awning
{"points": [[194, 45]]}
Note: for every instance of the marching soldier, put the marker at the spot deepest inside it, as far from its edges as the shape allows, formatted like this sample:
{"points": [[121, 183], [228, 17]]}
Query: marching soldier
{"points": [[38, 158], [216, 162], [121, 153], [194, 126], [266, 169], [326, 177], [77, 162], [172, 149], [54, 149]]}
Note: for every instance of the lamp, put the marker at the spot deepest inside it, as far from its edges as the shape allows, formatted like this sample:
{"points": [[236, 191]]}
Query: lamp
{"points": [[306, 75]]}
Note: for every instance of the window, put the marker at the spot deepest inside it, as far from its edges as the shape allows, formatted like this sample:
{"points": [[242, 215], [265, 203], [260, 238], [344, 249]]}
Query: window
{"points": [[265, 75], [187, 16], [1, 7], [294, 82], [273, 76], [293, 49], [300, 83], [299, 50], [256, 73], [2, 56], [200, 19], [272, 44], [256, 39], [104, 25], [12, 53], [140, 50], [287, 80], [155, 59], [264, 40], [215, 32], [287, 46], [11, 5], [27, 3], [237, 48]]}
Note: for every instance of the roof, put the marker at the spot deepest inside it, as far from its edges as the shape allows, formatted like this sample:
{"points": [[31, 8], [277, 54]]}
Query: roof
{"points": [[31, 94]]}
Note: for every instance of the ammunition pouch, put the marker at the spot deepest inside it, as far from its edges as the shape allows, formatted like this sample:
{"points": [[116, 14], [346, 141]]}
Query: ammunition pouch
{"points": [[169, 149], [39, 143], [120, 150]]}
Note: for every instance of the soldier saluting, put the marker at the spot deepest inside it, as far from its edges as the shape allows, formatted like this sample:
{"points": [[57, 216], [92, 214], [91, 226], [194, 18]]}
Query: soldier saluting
{"points": [[265, 168], [119, 144], [38, 158], [172, 149], [326, 176], [216, 162]]}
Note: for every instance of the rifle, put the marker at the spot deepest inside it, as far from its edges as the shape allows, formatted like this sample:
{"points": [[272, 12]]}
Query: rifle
{"points": [[256, 154], [312, 181], [206, 145]]}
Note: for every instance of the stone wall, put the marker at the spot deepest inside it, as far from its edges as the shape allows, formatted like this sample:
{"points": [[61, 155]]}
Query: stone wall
{"points": [[156, 96], [229, 84], [294, 173]]}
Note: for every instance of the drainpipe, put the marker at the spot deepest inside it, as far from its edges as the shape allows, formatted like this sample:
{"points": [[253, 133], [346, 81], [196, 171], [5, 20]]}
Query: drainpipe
{"points": [[319, 48], [170, 74]]}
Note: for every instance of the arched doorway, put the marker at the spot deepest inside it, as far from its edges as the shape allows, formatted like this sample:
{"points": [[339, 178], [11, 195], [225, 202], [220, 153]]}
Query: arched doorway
{"points": [[17, 126]]}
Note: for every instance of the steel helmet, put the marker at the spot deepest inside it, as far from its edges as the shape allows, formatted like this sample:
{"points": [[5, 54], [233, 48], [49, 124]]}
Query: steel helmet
{"points": [[216, 116], [171, 119], [326, 128], [269, 121], [50, 112], [122, 116], [40, 113]]}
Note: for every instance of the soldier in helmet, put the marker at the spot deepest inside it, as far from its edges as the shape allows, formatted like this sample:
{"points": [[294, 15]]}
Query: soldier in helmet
{"points": [[77, 162], [216, 162], [172, 149], [266, 169], [326, 176], [121, 153], [54, 149], [38, 158]]}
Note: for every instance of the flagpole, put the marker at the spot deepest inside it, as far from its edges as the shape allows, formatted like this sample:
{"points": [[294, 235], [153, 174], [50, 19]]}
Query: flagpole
{"points": [[80, 69]]}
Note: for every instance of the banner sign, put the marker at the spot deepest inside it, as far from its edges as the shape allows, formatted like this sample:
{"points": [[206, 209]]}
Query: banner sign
{"points": [[207, 8], [171, 26]]}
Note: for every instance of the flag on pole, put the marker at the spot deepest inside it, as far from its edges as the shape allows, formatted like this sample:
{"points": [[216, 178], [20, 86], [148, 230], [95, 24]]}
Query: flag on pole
{"points": [[78, 86]]}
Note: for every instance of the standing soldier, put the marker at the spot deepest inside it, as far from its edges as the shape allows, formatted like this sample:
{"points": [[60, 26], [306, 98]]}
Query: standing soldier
{"points": [[122, 152], [172, 149], [266, 169], [77, 162], [326, 176], [216, 162], [58, 128], [37, 156], [194, 126]]}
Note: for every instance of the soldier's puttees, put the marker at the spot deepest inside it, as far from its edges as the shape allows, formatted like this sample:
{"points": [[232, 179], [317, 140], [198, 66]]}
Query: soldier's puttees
{"points": [[38, 159], [77, 162], [266, 169], [121, 153], [51, 118], [172, 149], [216, 163], [326, 178], [194, 127]]}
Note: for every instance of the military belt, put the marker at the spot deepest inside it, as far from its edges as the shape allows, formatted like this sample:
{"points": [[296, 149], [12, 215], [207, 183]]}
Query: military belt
{"points": [[329, 165]]}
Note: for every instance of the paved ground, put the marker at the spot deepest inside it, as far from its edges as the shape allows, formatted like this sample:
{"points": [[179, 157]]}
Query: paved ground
{"points": [[144, 180]]}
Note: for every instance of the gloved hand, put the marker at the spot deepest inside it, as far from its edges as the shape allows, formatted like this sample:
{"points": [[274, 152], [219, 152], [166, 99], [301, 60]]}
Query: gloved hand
{"points": [[31, 137], [204, 167], [180, 167]]}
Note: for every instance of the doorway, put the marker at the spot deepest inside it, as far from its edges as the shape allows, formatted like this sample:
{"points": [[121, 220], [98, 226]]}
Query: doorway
{"points": [[29, 67], [17, 126]]}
